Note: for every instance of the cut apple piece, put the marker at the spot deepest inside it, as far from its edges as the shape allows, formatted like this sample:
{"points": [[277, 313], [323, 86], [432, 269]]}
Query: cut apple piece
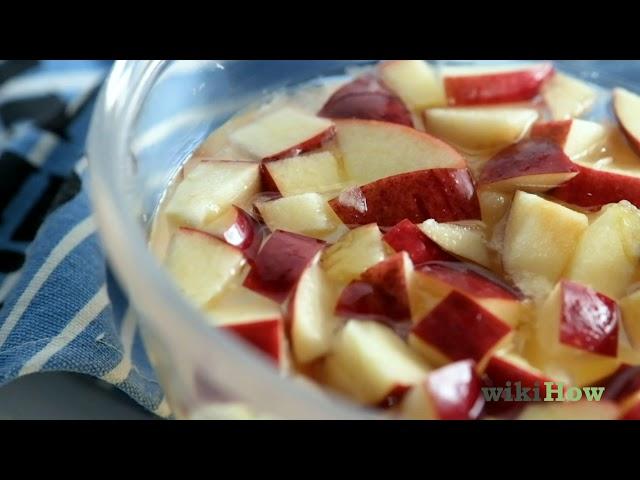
{"points": [[239, 229], [504, 84], [532, 164], [366, 98], [576, 137], [279, 264], [406, 236], [382, 294], [433, 281], [458, 328], [284, 133], [576, 334], [307, 214], [370, 363], [479, 129], [415, 82], [253, 318], [355, 252], [594, 187], [210, 189], [494, 206], [444, 194], [201, 265], [311, 316], [451, 392], [314, 172], [626, 105], [582, 410], [372, 150], [514, 376], [567, 97], [464, 239], [540, 239], [615, 231], [630, 306]]}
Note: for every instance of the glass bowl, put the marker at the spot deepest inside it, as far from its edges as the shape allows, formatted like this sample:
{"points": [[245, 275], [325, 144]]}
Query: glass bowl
{"points": [[149, 117]]}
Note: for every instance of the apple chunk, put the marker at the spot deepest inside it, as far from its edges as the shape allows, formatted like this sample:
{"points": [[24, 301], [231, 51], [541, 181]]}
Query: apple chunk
{"points": [[284, 133], [415, 82], [355, 252], [567, 97], [370, 363], [381, 294], [540, 238], [479, 129], [451, 392], [201, 265], [253, 318], [433, 281], [313, 172], [310, 314], [576, 334], [406, 236], [279, 264], [464, 239], [210, 189], [576, 137], [531, 164], [307, 214], [367, 99], [505, 84], [615, 231], [444, 194], [459, 328], [626, 105], [372, 150], [239, 229]]}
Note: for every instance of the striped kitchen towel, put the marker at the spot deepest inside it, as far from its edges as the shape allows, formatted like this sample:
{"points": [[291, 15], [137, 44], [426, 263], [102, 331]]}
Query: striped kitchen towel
{"points": [[60, 308]]}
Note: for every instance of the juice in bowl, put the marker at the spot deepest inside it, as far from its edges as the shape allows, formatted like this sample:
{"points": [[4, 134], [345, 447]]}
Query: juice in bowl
{"points": [[395, 239]]}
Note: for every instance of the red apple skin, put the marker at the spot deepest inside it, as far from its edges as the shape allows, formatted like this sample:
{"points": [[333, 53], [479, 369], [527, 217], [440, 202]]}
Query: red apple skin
{"points": [[498, 372], [265, 335], [268, 183], [407, 237], [527, 157], [493, 88], [460, 328], [589, 320], [280, 262], [557, 131], [633, 413], [459, 378], [381, 295], [593, 188], [245, 234], [471, 280], [309, 145], [367, 98], [621, 384], [394, 397], [444, 194]]}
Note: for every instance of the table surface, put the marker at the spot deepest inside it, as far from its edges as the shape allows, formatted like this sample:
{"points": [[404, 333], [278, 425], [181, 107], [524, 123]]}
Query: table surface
{"points": [[66, 396]]}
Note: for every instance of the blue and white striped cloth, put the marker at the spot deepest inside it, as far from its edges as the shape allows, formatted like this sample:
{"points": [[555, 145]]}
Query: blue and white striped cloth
{"points": [[60, 310]]}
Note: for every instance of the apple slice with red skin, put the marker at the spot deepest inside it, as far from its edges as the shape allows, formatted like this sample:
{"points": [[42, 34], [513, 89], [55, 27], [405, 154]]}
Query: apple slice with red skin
{"points": [[280, 262], [451, 392], [367, 98], [459, 328], [433, 281], [444, 194], [265, 335], [626, 106], [407, 236], [482, 86], [532, 164], [284, 133], [238, 229], [382, 293], [576, 137]]}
